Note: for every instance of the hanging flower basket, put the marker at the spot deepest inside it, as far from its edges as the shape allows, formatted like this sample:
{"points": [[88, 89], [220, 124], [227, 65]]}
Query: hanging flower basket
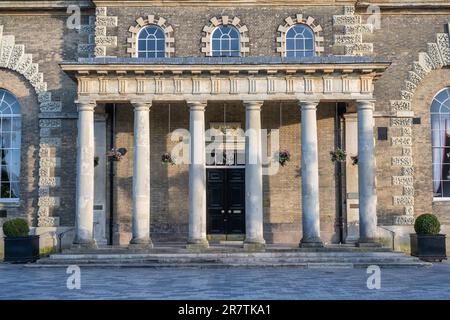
{"points": [[339, 155], [96, 160], [283, 157], [354, 160], [166, 158], [116, 154]]}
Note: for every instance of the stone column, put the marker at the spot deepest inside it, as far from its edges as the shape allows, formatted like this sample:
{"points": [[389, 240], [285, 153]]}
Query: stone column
{"points": [[310, 176], [366, 175], [84, 215], [254, 238], [141, 177], [197, 176]]}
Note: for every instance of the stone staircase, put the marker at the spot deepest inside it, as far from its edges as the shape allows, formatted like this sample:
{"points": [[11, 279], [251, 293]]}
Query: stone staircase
{"points": [[234, 256]]}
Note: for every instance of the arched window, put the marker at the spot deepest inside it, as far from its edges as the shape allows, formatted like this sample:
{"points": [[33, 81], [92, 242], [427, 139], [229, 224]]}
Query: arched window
{"points": [[10, 132], [440, 141], [151, 42], [225, 42], [300, 41]]}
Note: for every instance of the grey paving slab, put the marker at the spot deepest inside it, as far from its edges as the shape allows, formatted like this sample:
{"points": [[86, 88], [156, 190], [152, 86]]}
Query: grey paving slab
{"points": [[18, 282]]}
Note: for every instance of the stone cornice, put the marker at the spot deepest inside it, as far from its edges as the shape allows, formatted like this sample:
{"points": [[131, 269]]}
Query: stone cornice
{"points": [[217, 3], [44, 5], [218, 67], [419, 5]]}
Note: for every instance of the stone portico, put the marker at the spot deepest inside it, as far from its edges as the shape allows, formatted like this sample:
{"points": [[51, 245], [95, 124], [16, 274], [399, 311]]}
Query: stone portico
{"points": [[252, 81]]}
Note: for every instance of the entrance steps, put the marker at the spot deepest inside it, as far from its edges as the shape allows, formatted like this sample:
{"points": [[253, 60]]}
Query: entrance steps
{"points": [[224, 256]]}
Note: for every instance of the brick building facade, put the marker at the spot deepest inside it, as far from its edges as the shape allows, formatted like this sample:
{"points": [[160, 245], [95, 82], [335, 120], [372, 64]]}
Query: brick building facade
{"points": [[392, 53]]}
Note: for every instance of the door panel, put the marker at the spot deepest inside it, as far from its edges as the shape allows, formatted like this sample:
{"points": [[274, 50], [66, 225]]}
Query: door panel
{"points": [[226, 201], [236, 201], [215, 200]]}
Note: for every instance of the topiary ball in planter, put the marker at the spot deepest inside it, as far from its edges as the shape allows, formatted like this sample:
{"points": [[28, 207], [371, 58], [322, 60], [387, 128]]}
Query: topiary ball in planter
{"points": [[19, 246], [16, 228], [427, 224], [427, 243]]}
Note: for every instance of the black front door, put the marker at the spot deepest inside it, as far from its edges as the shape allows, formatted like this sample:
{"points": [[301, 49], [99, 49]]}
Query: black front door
{"points": [[226, 201]]}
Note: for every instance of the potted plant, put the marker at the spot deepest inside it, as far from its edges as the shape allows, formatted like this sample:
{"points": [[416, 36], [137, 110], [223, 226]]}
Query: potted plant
{"points": [[166, 158], [283, 157], [116, 154], [19, 246], [427, 244], [339, 155]]}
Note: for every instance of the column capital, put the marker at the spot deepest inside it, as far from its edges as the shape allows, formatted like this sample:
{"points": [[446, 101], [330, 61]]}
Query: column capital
{"points": [[308, 104], [365, 104], [253, 104], [86, 105], [141, 105], [196, 105]]}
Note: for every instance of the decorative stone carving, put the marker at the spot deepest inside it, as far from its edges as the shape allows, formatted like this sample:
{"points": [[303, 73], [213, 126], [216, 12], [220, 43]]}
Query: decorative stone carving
{"points": [[437, 56], [402, 161], [14, 57], [142, 22], [402, 180], [407, 171], [403, 200], [404, 220], [95, 33], [400, 105], [224, 20], [299, 19], [400, 122], [351, 42], [401, 141]]}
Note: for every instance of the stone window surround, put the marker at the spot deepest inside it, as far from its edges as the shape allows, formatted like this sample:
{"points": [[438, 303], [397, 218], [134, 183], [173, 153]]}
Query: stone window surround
{"points": [[225, 20], [14, 57], [144, 22], [299, 19]]}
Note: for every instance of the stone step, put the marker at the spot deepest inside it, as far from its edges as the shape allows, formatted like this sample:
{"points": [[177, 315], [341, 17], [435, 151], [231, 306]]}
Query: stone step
{"points": [[236, 259], [262, 255], [330, 265]]}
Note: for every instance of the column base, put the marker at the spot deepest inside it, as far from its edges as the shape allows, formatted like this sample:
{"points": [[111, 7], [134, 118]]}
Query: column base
{"points": [[84, 244], [311, 243], [196, 245], [140, 244], [255, 245]]}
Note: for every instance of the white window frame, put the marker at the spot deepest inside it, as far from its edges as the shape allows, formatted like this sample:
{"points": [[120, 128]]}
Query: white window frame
{"points": [[238, 50], [155, 52], [11, 116]]}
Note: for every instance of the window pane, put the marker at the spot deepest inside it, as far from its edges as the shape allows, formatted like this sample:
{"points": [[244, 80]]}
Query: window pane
{"points": [[5, 140], [235, 45], [16, 124], [142, 45], [225, 45], [5, 191], [6, 124], [4, 174]]}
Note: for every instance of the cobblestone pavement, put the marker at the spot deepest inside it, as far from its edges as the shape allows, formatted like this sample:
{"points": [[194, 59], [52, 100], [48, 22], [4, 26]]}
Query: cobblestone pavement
{"points": [[18, 282]]}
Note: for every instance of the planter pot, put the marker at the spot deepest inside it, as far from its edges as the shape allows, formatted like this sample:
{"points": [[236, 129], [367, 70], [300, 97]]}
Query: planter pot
{"points": [[21, 249], [428, 247]]}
